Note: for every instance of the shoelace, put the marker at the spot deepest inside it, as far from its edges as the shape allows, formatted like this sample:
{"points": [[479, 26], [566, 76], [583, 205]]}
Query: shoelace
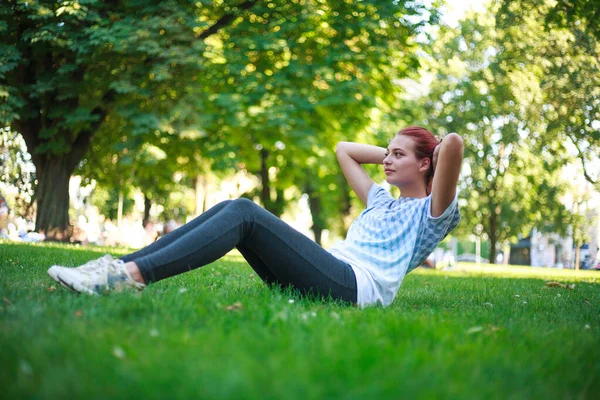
{"points": [[94, 264], [99, 270], [103, 267]]}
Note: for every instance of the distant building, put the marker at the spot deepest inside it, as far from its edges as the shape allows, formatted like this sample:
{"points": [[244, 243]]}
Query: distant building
{"points": [[551, 250]]}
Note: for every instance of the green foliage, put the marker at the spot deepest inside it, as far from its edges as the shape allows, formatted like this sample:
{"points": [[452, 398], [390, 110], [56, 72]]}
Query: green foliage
{"points": [[510, 183], [73, 66], [78, 57], [559, 44], [107, 202], [579, 14], [292, 79], [223, 77]]}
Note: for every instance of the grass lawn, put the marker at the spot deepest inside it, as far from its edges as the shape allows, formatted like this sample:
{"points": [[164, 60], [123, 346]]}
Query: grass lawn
{"points": [[219, 332]]}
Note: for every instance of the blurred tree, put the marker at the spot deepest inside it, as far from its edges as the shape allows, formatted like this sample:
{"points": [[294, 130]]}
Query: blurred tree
{"points": [[559, 43], [578, 14], [292, 79], [247, 73], [69, 65], [506, 188]]}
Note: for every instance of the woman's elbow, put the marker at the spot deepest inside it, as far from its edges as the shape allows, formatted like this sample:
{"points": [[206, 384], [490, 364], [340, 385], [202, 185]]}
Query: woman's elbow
{"points": [[340, 147], [454, 141]]}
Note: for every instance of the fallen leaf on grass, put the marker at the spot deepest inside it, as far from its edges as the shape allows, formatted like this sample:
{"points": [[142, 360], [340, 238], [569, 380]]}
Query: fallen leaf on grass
{"points": [[52, 289], [487, 329], [235, 306], [78, 313], [25, 367], [474, 329], [562, 285], [7, 301], [118, 352]]}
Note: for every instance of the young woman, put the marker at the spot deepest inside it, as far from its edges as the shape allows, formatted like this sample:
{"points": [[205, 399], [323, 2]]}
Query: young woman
{"points": [[389, 238]]}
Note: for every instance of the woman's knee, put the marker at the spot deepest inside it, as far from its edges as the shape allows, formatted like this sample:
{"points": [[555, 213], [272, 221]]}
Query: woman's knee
{"points": [[244, 204], [224, 203]]}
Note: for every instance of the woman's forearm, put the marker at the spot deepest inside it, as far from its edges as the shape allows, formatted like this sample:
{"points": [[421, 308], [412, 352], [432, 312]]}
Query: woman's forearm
{"points": [[361, 153]]}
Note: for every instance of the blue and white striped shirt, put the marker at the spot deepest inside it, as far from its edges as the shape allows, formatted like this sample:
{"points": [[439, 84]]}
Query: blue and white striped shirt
{"points": [[390, 238]]}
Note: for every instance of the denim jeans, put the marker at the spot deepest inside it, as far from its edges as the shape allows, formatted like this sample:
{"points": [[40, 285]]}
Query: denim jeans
{"points": [[278, 253]]}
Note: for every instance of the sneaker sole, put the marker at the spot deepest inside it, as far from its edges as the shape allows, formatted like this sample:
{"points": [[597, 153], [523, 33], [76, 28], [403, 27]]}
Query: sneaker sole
{"points": [[58, 280], [77, 288], [74, 287], [66, 285]]}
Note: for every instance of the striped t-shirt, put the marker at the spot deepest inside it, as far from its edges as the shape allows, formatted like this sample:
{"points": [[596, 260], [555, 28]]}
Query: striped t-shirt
{"points": [[390, 238]]}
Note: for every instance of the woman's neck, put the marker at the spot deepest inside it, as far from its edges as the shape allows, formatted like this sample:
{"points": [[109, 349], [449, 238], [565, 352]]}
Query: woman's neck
{"points": [[416, 191]]}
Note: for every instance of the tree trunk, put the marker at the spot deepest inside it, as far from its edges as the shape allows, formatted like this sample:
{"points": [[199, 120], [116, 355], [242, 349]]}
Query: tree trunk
{"points": [[478, 250], [506, 257], [265, 188], [52, 195], [278, 205], [54, 173], [493, 232], [274, 206], [147, 206], [314, 203], [200, 188], [120, 209], [345, 204]]}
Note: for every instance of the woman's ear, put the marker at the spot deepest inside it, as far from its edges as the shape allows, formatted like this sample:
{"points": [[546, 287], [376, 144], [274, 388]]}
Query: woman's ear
{"points": [[425, 164]]}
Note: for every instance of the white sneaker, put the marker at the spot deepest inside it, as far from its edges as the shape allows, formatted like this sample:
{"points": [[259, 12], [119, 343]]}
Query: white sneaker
{"points": [[96, 276]]}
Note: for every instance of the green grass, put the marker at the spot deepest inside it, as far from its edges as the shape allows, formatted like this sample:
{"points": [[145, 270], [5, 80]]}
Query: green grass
{"points": [[449, 334]]}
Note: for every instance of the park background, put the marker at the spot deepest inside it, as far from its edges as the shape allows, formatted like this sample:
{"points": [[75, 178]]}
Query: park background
{"points": [[145, 112], [123, 119]]}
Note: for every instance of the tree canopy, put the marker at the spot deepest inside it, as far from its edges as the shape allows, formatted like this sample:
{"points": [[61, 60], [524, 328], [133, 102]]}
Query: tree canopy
{"points": [[133, 93], [238, 72]]}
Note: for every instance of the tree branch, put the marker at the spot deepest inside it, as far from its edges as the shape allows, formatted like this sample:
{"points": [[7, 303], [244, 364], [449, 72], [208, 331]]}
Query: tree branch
{"points": [[225, 20], [83, 140], [582, 158]]}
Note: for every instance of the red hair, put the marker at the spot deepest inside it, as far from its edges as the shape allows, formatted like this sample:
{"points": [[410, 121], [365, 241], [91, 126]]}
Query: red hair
{"points": [[425, 143]]}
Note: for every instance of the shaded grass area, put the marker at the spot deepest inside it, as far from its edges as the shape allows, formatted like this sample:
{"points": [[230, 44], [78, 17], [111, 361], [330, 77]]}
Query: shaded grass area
{"points": [[219, 332]]}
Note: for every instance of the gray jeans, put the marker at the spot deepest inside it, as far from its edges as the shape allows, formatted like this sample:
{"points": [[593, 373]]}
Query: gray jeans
{"points": [[278, 253]]}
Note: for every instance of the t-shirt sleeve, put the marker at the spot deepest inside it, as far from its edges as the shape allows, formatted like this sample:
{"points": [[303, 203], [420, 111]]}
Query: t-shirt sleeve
{"points": [[446, 215], [377, 195], [437, 228], [434, 230]]}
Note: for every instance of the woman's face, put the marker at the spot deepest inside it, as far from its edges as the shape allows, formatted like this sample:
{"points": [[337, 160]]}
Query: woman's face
{"points": [[401, 166]]}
